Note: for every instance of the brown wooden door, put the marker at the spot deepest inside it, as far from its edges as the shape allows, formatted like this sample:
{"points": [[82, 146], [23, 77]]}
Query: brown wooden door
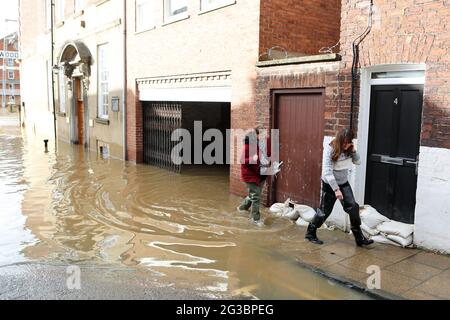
{"points": [[80, 110], [299, 115]]}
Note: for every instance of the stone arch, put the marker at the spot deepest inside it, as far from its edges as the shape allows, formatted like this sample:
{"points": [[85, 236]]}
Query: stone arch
{"points": [[76, 55]]}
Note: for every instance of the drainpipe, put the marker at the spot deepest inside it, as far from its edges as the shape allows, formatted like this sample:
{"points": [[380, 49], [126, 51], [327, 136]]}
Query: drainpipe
{"points": [[52, 11], [356, 45], [124, 91]]}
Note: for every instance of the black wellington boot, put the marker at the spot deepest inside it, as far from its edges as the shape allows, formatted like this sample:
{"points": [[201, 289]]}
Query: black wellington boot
{"points": [[359, 237], [316, 223], [311, 235]]}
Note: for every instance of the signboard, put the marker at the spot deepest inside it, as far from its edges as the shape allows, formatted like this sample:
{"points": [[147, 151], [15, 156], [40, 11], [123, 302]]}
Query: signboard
{"points": [[9, 54]]}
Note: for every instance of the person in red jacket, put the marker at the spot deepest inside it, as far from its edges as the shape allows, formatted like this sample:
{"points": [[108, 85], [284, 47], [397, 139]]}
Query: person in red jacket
{"points": [[252, 160]]}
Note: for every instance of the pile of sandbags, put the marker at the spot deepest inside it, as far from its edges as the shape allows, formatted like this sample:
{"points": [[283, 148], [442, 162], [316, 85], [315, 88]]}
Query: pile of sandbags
{"points": [[374, 225], [301, 214], [383, 230]]}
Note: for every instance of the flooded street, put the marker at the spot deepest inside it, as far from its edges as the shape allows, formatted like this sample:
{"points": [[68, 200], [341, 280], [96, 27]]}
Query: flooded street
{"points": [[182, 231]]}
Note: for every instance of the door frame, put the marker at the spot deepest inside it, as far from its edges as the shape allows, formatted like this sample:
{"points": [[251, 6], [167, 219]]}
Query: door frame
{"points": [[274, 93], [364, 112]]}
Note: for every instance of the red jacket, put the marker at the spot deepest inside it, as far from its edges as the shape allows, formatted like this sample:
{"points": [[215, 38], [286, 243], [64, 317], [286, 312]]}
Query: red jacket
{"points": [[251, 171]]}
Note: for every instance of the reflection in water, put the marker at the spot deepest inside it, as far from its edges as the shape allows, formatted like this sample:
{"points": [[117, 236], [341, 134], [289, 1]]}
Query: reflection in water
{"points": [[70, 206]]}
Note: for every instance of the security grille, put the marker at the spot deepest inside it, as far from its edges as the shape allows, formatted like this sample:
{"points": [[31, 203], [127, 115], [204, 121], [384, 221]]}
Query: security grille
{"points": [[161, 119]]}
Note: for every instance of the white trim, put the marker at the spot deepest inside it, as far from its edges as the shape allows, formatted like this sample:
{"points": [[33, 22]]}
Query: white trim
{"points": [[399, 81], [364, 112], [210, 94]]}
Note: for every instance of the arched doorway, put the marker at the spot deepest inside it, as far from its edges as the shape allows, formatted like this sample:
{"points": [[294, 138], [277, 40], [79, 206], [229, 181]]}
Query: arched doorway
{"points": [[75, 61]]}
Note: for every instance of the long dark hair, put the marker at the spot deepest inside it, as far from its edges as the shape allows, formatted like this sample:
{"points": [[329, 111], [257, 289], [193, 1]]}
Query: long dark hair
{"points": [[342, 137]]}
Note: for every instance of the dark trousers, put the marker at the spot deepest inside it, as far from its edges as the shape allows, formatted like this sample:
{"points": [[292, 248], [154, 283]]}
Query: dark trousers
{"points": [[329, 199]]}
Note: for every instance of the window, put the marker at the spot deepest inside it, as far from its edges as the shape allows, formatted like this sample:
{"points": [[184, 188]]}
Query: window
{"points": [[10, 75], [103, 82], [214, 4], [10, 62], [144, 15], [79, 4], [62, 91], [175, 9], [60, 10]]}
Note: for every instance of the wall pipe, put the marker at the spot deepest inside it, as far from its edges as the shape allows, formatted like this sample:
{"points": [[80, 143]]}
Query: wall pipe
{"points": [[356, 44], [125, 83], [52, 12]]}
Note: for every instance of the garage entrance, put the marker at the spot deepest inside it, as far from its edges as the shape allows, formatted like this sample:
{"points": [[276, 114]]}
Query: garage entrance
{"points": [[161, 119]]}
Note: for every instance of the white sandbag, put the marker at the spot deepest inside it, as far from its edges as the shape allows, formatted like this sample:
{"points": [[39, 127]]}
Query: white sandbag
{"points": [[306, 213], [371, 217], [396, 228], [302, 223], [277, 207], [368, 231], [382, 239], [291, 213], [404, 242]]}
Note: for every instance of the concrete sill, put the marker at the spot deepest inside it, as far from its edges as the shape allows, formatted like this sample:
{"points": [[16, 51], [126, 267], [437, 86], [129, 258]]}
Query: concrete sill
{"points": [[100, 2], [145, 30], [214, 8], [300, 60], [61, 114], [78, 14], [102, 121], [176, 19]]}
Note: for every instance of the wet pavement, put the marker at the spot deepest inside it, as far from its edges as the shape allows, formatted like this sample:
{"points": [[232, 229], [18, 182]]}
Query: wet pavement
{"points": [[138, 232]]}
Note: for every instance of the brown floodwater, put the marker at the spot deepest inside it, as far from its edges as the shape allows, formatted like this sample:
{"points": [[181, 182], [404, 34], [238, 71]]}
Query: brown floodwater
{"points": [[70, 206]]}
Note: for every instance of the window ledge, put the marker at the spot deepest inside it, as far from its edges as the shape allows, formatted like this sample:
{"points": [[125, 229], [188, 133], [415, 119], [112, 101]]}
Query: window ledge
{"points": [[145, 30], [100, 2], [176, 18], [61, 114], [217, 7], [102, 121], [78, 14], [300, 60]]}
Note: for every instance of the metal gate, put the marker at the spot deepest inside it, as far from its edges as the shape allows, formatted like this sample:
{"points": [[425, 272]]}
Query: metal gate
{"points": [[161, 119]]}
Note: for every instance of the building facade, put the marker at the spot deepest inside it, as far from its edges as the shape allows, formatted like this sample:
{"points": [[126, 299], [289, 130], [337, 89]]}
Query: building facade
{"points": [[197, 59], [88, 71], [10, 75], [401, 114]]}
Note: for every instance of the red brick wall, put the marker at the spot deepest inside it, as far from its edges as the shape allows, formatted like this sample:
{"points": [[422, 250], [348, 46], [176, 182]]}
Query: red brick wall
{"points": [[407, 31], [302, 26]]}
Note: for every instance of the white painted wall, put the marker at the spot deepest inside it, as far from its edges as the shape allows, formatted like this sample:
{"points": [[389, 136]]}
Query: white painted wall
{"points": [[432, 216]]}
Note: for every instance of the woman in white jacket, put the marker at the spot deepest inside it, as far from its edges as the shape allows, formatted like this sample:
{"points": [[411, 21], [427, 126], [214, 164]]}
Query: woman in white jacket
{"points": [[339, 156]]}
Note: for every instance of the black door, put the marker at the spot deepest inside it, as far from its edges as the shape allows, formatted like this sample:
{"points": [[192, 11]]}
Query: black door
{"points": [[394, 141]]}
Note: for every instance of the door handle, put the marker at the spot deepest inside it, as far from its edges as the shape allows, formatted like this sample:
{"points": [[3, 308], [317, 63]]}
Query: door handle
{"points": [[390, 160]]}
